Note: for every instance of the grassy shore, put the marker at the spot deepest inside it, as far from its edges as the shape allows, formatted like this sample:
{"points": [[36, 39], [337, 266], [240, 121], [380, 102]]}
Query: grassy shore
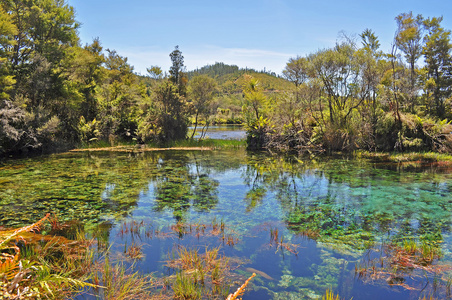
{"points": [[189, 145]]}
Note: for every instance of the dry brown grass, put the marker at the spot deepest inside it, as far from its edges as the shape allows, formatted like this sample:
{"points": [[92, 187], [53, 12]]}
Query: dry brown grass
{"points": [[240, 290]]}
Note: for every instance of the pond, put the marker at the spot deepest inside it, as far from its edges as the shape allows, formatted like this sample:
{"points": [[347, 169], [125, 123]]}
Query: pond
{"points": [[365, 230], [222, 132]]}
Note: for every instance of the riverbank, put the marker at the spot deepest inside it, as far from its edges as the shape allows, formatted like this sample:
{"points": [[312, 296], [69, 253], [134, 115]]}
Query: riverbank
{"points": [[183, 145]]}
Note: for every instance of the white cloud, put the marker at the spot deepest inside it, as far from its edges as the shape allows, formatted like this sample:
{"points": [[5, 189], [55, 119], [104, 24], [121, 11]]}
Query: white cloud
{"points": [[141, 58]]}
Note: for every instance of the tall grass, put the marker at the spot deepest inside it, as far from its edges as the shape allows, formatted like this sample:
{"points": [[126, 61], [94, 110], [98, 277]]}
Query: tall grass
{"points": [[329, 295], [40, 266], [121, 283], [37, 266], [199, 275]]}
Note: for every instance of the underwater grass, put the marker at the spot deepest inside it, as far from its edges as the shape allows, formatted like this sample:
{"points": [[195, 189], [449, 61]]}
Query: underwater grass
{"points": [[195, 272], [37, 266], [407, 259], [330, 224], [421, 157]]}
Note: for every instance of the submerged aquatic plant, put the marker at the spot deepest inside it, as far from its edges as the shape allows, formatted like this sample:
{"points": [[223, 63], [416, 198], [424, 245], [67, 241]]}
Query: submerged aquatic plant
{"points": [[403, 260], [122, 283], [200, 275], [278, 241], [413, 256]]}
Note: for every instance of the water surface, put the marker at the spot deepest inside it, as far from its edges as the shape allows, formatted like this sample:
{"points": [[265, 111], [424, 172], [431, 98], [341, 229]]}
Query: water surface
{"points": [[222, 132], [334, 218]]}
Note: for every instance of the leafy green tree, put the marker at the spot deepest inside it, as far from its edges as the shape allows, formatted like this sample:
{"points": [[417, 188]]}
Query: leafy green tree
{"points": [[339, 71], [369, 40], [254, 110], [155, 72], [438, 65], [45, 30], [7, 32], [87, 71], [201, 91], [118, 99], [177, 70], [170, 113], [374, 66], [296, 70], [409, 40]]}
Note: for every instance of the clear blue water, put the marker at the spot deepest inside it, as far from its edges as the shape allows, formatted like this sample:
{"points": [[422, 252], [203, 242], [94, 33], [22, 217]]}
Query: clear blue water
{"points": [[222, 132], [335, 216]]}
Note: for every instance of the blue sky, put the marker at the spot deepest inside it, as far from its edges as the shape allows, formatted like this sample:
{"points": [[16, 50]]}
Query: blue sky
{"points": [[247, 33]]}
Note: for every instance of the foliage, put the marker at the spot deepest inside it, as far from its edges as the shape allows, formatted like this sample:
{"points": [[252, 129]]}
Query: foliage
{"points": [[346, 98], [171, 118], [36, 266], [199, 275], [438, 76], [329, 295], [177, 70], [201, 92], [7, 32], [155, 72], [56, 94], [296, 70], [255, 101], [88, 130]]}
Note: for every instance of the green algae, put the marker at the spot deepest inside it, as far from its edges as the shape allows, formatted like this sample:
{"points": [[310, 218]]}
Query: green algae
{"points": [[335, 210]]}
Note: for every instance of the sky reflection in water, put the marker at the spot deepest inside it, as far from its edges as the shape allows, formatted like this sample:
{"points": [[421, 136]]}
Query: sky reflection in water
{"points": [[334, 213]]}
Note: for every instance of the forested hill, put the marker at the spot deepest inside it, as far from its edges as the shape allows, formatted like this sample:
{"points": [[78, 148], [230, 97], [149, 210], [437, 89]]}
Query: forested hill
{"points": [[218, 69], [230, 77]]}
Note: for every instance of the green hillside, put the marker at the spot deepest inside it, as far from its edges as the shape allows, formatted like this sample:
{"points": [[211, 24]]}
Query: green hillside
{"points": [[230, 78]]}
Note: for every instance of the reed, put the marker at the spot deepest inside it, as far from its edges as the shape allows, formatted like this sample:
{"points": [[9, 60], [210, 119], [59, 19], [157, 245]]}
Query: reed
{"points": [[134, 251], [278, 241], [186, 288], [329, 295], [122, 283], [203, 274], [42, 266]]}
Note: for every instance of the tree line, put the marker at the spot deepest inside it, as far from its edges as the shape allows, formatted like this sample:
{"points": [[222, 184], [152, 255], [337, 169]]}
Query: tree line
{"points": [[56, 93], [355, 96]]}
